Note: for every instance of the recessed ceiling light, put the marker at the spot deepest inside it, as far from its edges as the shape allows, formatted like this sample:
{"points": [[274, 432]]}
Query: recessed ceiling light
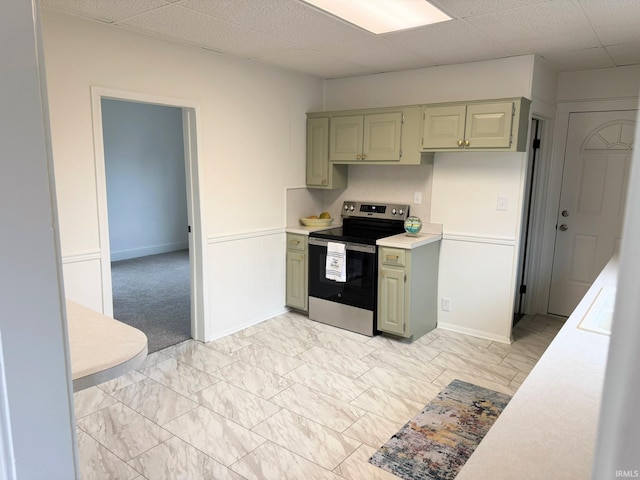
{"points": [[383, 16]]}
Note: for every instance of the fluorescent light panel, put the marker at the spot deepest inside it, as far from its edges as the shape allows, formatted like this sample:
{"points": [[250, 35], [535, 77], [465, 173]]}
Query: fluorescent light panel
{"points": [[383, 16]]}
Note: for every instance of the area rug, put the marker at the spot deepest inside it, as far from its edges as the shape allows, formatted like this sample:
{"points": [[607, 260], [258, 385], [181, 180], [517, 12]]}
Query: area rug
{"points": [[437, 442]]}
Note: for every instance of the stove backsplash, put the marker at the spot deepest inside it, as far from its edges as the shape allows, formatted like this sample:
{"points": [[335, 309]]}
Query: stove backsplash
{"points": [[367, 183]]}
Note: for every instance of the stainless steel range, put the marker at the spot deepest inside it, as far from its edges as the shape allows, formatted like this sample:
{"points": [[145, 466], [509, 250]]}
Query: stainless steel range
{"points": [[343, 289]]}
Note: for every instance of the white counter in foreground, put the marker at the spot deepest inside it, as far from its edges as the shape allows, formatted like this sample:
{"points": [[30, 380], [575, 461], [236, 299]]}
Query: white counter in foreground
{"points": [[101, 348], [548, 430], [408, 242]]}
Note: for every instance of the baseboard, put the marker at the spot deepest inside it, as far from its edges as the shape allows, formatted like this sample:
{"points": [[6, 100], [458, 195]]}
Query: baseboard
{"points": [[250, 323], [145, 251], [474, 333]]}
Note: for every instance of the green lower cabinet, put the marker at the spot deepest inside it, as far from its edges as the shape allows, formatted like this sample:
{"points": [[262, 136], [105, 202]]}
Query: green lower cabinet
{"points": [[391, 291], [407, 290], [297, 265]]}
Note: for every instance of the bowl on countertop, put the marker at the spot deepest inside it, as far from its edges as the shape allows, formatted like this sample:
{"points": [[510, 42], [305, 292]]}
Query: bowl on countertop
{"points": [[316, 222]]}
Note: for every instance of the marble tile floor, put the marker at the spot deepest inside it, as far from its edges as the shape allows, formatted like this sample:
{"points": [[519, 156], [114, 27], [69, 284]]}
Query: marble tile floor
{"points": [[286, 399]]}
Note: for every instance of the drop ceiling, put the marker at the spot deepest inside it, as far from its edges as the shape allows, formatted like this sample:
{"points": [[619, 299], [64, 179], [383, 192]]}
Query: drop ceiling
{"points": [[568, 34]]}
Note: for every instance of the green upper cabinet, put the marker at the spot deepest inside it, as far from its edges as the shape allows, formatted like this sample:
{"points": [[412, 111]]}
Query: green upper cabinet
{"points": [[443, 127], [488, 125], [320, 174], [371, 138], [380, 136], [346, 138]]}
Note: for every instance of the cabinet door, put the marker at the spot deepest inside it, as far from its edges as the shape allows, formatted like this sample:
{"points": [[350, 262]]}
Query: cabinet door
{"points": [[443, 127], [345, 140], [382, 135], [318, 151], [391, 292], [488, 125], [297, 280]]}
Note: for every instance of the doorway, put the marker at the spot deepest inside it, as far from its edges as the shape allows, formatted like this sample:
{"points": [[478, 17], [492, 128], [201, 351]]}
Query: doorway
{"points": [[195, 237], [589, 218], [148, 222]]}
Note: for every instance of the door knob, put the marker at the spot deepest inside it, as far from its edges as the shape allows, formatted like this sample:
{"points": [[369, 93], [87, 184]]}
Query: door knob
{"points": [[563, 227], [565, 213]]}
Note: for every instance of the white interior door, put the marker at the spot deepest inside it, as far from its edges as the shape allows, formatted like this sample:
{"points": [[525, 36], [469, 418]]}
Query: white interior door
{"points": [[590, 216]]}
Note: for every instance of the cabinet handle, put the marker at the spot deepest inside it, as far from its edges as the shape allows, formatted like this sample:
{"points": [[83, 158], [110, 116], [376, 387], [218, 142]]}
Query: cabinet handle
{"points": [[364, 157], [460, 143], [359, 157], [295, 242], [466, 143], [324, 182], [391, 257]]}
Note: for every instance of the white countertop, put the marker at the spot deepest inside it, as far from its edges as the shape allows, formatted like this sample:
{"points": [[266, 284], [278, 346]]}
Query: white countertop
{"points": [[407, 242], [549, 428], [101, 347]]}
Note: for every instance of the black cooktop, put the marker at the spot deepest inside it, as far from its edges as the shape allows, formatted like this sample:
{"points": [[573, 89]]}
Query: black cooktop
{"points": [[366, 222], [365, 232]]}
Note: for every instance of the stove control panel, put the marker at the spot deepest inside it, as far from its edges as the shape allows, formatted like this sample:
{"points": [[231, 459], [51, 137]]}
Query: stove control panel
{"points": [[375, 210]]}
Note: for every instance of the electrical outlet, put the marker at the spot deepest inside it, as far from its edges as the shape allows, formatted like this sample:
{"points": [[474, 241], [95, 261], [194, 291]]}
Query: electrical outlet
{"points": [[445, 304], [503, 203], [417, 198]]}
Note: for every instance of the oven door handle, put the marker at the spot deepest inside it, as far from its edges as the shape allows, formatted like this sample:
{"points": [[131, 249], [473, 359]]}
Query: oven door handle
{"points": [[356, 247]]}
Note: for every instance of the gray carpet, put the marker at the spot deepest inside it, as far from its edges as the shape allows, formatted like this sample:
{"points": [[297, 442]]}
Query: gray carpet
{"points": [[153, 294]]}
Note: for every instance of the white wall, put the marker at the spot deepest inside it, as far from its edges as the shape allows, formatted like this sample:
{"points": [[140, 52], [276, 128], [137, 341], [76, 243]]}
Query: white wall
{"points": [[386, 184], [37, 423], [599, 84], [146, 185], [478, 259], [502, 78], [251, 145]]}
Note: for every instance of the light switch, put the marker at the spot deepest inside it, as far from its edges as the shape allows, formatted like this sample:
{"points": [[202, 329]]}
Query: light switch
{"points": [[417, 198], [503, 203]]}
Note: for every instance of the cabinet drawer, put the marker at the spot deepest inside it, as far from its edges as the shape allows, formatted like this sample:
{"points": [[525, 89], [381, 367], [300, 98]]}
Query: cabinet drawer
{"points": [[392, 256], [296, 242]]}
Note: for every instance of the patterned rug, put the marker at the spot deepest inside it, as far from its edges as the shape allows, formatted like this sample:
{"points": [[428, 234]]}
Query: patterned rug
{"points": [[436, 443]]}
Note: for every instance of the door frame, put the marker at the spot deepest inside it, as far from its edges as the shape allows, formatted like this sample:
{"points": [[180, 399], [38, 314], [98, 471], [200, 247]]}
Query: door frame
{"points": [[195, 215], [553, 177], [527, 232]]}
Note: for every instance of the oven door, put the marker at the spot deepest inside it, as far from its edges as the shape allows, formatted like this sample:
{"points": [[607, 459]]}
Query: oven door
{"points": [[351, 304]]}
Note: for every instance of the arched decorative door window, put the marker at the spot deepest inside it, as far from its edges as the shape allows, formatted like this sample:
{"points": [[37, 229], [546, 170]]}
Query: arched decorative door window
{"points": [[616, 135]]}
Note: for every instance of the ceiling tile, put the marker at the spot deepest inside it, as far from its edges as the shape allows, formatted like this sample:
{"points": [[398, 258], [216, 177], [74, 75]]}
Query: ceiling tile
{"points": [[614, 21], [297, 36], [567, 60], [289, 20], [184, 24], [110, 11], [466, 8], [537, 28], [625, 54], [448, 42]]}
